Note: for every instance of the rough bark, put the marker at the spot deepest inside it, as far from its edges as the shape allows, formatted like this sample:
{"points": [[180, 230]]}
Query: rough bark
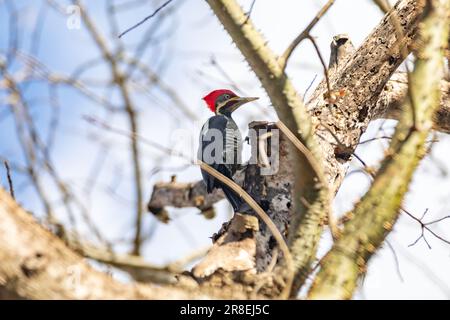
{"points": [[182, 195], [373, 217], [362, 78], [6, 294], [35, 264], [390, 103]]}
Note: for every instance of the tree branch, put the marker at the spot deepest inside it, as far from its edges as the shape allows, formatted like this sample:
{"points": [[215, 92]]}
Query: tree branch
{"points": [[361, 78], [35, 264], [8, 177], [347, 261], [390, 102], [121, 81], [181, 195], [135, 266]]}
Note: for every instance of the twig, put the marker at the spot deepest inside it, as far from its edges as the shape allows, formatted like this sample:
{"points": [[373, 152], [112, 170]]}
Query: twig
{"points": [[322, 61], [146, 18], [345, 148], [224, 74], [397, 262], [303, 35], [121, 82], [10, 183], [134, 135], [425, 270], [424, 226], [249, 12], [234, 85], [374, 139], [309, 86]]}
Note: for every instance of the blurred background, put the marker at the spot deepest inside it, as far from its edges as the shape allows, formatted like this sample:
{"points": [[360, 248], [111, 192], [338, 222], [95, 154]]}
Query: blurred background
{"points": [[71, 93]]}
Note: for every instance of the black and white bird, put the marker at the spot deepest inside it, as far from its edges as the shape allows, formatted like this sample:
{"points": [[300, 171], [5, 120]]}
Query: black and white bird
{"points": [[221, 141]]}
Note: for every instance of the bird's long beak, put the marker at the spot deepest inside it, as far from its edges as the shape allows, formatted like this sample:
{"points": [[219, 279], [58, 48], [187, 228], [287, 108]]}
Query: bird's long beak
{"points": [[239, 101]]}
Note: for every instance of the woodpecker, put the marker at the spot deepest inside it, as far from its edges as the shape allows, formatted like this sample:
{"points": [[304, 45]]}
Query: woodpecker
{"points": [[220, 143]]}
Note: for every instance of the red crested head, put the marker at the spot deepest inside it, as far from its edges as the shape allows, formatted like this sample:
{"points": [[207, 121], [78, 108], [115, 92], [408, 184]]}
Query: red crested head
{"points": [[211, 98]]}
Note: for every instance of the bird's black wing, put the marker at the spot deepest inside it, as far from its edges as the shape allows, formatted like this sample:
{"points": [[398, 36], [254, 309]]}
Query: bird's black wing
{"points": [[213, 154]]}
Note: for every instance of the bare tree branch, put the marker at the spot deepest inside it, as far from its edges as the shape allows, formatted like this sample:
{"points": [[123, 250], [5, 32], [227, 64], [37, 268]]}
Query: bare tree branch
{"points": [[181, 195], [146, 18], [37, 265], [390, 102], [365, 232], [131, 112]]}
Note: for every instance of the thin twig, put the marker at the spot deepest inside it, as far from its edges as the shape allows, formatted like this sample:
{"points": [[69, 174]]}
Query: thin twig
{"points": [[8, 176], [374, 139], [134, 135], [424, 226], [249, 13], [129, 107], [397, 262], [303, 35], [344, 147], [322, 61], [146, 18], [309, 86]]}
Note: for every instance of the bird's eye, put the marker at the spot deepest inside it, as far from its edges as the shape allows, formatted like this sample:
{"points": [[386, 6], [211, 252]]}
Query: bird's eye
{"points": [[226, 96]]}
